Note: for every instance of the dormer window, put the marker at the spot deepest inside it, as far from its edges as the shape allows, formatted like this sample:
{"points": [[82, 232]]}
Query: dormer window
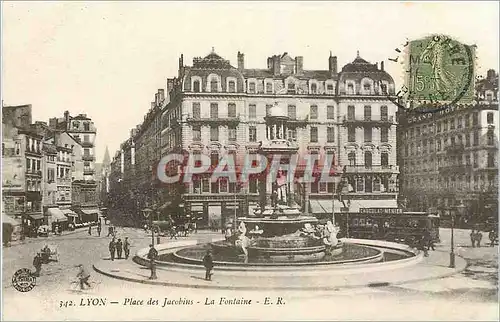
{"points": [[76, 125], [367, 87], [291, 88], [251, 87], [350, 88], [196, 86], [314, 88], [86, 126], [269, 88], [214, 85], [383, 88], [231, 87]]}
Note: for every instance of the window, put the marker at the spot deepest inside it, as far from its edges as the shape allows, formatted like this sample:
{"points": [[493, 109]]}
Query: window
{"points": [[223, 184], [329, 87], [467, 159], [251, 87], [367, 87], [368, 159], [445, 125], [86, 126], [491, 159], [359, 184], [232, 87], [490, 137], [269, 88], [314, 134], [214, 133], [314, 112], [232, 134], [351, 134], [330, 134], [383, 87], [196, 86], [350, 88], [351, 110], [452, 123], [214, 159], [476, 138], [384, 159], [384, 134], [196, 110], [489, 118], [268, 109], [467, 139], [368, 113], [438, 127], [231, 110], [292, 135], [383, 113], [467, 120], [475, 157], [475, 119], [314, 88], [351, 157], [214, 85], [291, 88], [330, 112], [214, 110], [196, 133], [252, 111], [368, 184], [459, 122], [368, 134], [252, 134], [292, 112]]}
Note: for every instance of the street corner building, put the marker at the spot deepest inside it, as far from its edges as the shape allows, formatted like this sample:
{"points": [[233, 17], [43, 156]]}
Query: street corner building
{"points": [[214, 108], [48, 172]]}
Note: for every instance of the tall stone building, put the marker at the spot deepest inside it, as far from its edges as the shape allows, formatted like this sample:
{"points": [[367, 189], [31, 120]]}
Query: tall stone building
{"points": [[216, 109], [450, 157]]}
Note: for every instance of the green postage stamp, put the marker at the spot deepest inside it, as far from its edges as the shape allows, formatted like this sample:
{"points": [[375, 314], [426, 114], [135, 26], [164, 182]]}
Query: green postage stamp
{"points": [[440, 69]]}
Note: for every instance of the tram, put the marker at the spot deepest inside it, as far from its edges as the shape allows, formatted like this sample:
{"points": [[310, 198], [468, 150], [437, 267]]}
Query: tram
{"points": [[403, 227]]}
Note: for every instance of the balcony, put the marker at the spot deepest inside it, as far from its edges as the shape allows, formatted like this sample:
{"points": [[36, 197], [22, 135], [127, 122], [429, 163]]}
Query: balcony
{"points": [[86, 144], [34, 150], [386, 121], [88, 157], [88, 171], [37, 173], [214, 120], [455, 169], [63, 181], [372, 169]]}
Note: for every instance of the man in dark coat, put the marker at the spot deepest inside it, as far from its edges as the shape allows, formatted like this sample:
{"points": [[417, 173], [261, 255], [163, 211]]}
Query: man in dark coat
{"points": [[152, 255], [119, 248], [112, 247], [37, 262], [99, 229], [83, 276], [208, 262], [126, 247]]}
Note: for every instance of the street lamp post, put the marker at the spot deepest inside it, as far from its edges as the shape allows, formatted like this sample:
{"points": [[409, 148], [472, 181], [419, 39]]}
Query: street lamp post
{"points": [[452, 250]]}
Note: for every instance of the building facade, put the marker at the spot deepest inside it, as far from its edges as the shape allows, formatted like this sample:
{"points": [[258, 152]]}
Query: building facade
{"points": [[450, 158], [215, 109]]}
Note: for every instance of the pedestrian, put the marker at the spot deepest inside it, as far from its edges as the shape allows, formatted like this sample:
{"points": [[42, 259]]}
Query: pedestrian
{"points": [[99, 230], [479, 237], [208, 262], [492, 237], [112, 248], [37, 263], [110, 231], [126, 247], [429, 242], [473, 238], [119, 248], [195, 226], [83, 276], [90, 230], [152, 255]]}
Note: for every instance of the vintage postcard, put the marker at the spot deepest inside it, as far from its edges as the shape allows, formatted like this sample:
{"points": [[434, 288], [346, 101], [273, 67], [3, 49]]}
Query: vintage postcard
{"points": [[255, 160]]}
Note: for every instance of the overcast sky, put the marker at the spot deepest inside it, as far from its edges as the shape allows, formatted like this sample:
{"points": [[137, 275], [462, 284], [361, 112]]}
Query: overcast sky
{"points": [[107, 59]]}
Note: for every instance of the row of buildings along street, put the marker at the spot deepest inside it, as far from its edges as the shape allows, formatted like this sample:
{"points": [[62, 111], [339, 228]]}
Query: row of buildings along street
{"points": [[49, 173], [387, 157]]}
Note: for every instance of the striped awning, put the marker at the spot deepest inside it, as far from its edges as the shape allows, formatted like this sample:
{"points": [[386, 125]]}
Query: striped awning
{"points": [[90, 211], [69, 213], [57, 214]]}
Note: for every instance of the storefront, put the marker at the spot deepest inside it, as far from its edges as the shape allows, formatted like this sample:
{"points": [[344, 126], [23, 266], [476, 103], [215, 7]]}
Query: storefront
{"points": [[89, 215], [57, 218]]}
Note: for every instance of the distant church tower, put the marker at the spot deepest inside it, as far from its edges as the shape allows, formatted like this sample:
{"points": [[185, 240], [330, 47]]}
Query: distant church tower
{"points": [[106, 169]]}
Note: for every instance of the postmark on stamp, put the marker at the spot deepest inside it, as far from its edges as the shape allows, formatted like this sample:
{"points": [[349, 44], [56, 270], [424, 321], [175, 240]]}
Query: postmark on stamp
{"points": [[23, 280], [439, 71]]}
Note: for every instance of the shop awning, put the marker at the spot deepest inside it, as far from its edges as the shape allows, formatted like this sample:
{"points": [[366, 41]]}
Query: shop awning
{"points": [[9, 220], [69, 213], [35, 216], [90, 211], [357, 204], [57, 214]]}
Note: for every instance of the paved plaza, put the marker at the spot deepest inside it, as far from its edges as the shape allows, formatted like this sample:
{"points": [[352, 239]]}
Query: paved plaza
{"points": [[464, 294]]}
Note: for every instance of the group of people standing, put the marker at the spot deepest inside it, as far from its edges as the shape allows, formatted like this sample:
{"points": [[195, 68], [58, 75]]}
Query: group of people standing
{"points": [[117, 247], [99, 229], [476, 236]]}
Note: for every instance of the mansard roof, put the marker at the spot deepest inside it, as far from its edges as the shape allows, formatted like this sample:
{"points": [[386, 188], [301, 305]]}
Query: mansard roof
{"points": [[359, 68]]}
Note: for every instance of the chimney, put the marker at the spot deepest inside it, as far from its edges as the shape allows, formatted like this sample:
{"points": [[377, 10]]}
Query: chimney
{"points": [[161, 94], [276, 65], [157, 99], [153, 105], [66, 117], [332, 64], [241, 61], [299, 65], [53, 123], [269, 62], [382, 65], [181, 61], [490, 74]]}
